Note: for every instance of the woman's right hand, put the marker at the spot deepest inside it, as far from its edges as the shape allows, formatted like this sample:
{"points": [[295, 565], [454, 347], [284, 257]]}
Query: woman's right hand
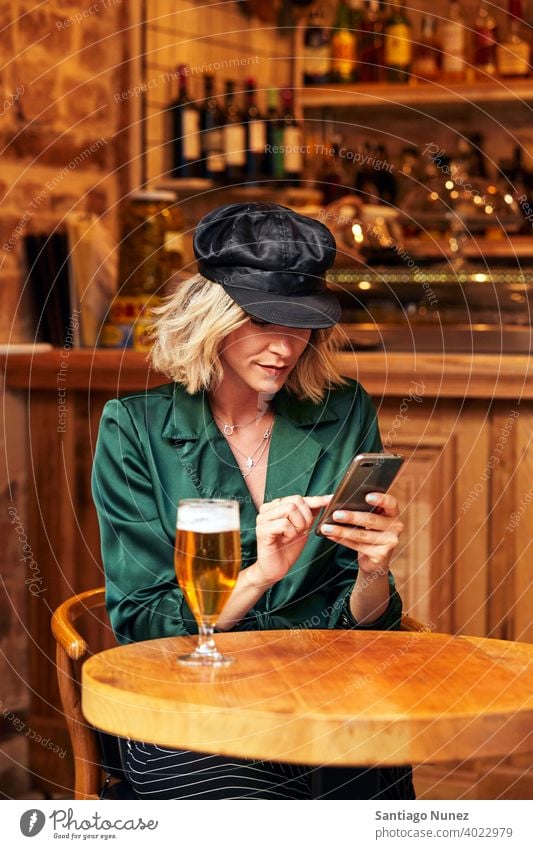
{"points": [[282, 529]]}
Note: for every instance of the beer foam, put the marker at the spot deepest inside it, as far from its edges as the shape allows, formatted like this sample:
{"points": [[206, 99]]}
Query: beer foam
{"points": [[210, 518]]}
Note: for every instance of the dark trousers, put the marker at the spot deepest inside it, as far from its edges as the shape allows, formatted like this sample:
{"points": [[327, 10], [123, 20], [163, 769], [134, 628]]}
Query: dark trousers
{"points": [[155, 772]]}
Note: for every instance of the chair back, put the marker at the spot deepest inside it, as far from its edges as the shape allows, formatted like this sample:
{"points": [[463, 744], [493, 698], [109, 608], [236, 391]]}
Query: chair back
{"points": [[71, 651], [410, 624]]}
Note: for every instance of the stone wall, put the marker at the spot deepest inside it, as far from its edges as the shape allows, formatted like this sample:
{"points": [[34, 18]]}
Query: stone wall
{"points": [[60, 146]]}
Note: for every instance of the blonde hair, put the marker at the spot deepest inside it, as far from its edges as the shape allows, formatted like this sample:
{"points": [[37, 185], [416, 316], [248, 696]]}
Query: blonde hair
{"points": [[189, 329]]}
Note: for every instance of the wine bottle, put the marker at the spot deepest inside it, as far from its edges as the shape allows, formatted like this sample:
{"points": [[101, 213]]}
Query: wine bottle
{"points": [[333, 177], [255, 135], [370, 56], [485, 40], [211, 122], [512, 55], [366, 177], [427, 59], [398, 44], [469, 160], [453, 37], [234, 138], [518, 177], [317, 39], [385, 179], [356, 26], [185, 131], [478, 157], [292, 141], [343, 46], [273, 162], [411, 169]]}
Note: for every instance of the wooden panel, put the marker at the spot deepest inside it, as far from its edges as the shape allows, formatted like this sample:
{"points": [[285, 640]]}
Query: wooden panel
{"points": [[504, 485], [424, 566], [51, 520], [63, 527], [481, 779], [412, 564], [428, 568], [521, 524], [471, 531]]}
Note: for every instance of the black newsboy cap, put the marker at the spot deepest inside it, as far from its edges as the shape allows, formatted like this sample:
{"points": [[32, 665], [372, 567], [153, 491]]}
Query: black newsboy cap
{"points": [[271, 261]]}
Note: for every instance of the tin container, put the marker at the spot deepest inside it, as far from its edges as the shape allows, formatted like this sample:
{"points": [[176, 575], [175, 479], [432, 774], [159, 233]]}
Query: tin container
{"points": [[151, 247]]}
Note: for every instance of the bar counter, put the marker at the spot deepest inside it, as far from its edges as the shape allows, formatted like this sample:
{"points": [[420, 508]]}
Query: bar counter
{"points": [[484, 376]]}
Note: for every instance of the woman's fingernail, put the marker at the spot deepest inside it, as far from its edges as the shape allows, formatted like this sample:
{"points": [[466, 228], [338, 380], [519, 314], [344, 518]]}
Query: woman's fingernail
{"points": [[339, 514], [373, 498], [327, 529]]}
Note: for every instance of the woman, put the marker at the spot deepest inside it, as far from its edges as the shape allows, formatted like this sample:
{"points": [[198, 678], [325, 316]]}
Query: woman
{"points": [[255, 411]]}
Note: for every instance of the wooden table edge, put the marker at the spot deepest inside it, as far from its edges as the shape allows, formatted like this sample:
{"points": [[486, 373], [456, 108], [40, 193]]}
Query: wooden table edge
{"points": [[355, 739]]}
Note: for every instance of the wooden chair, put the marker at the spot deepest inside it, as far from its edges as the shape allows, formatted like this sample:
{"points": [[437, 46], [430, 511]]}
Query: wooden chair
{"points": [[71, 651], [410, 624]]}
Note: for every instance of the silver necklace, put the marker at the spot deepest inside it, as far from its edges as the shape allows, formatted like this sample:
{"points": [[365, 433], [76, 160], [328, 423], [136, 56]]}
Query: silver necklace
{"points": [[251, 459], [228, 429]]}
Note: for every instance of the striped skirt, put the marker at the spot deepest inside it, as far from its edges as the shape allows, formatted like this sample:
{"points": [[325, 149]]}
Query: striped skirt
{"points": [[155, 772]]}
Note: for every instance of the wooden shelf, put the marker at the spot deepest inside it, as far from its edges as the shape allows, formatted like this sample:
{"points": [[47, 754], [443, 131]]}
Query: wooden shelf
{"points": [[412, 94]]}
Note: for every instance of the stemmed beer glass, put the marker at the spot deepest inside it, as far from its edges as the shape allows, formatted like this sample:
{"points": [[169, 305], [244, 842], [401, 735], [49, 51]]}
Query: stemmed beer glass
{"points": [[207, 559]]}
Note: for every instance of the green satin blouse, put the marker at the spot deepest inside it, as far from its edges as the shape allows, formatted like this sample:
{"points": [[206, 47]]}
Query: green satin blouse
{"points": [[160, 445]]}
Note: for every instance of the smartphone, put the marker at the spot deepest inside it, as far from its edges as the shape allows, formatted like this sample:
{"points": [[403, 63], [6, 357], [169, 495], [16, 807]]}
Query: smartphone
{"points": [[366, 473]]}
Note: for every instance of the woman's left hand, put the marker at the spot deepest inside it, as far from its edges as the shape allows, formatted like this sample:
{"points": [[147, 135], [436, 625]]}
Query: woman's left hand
{"points": [[373, 535]]}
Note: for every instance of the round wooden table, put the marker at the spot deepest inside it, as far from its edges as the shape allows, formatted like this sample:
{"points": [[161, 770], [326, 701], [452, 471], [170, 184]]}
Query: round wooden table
{"points": [[355, 698]]}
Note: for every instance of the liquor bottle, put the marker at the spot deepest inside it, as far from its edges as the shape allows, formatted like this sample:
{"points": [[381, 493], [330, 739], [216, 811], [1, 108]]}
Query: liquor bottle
{"points": [[515, 171], [366, 177], [273, 162], [333, 177], [427, 59], [317, 46], [453, 38], [512, 55], [343, 46], [292, 140], [478, 157], [410, 163], [356, 26], [211, 122], [234, 138], [370, 56], [185, 131], [411, 171], [398, 44], [485, 40], [469, 161], [255, 135], [356, 15], [385, 179]]}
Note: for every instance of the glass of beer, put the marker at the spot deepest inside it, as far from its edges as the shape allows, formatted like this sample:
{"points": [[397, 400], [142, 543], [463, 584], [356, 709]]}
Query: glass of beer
{"points": [[207, 559]]}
